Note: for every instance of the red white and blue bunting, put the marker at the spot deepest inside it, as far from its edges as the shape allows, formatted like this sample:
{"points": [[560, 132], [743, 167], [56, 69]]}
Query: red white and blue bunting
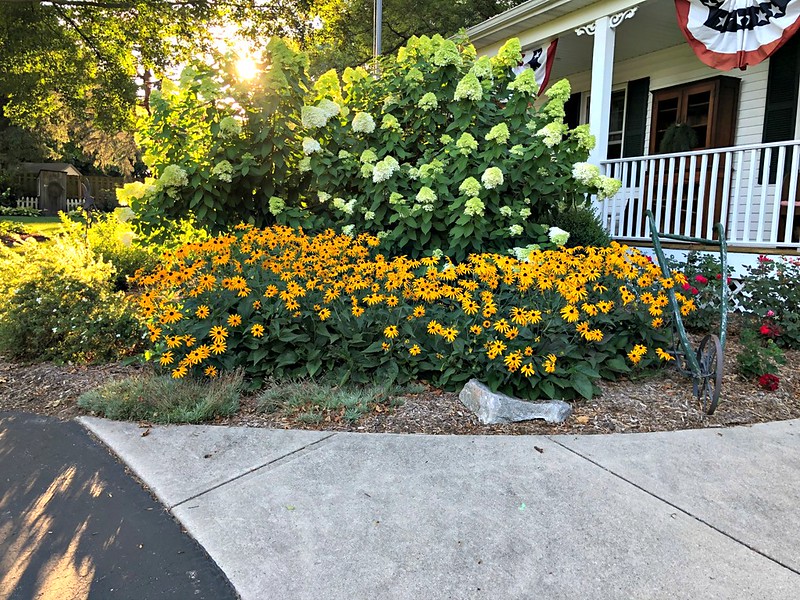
{"points": [[728, 34], [541, 61]]}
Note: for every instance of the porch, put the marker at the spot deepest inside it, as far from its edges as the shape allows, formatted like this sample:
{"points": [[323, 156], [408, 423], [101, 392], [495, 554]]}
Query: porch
{"points": [[751, 189]]}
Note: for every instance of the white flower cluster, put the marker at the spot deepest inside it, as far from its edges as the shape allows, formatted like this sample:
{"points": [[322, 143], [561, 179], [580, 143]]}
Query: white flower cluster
{"points": [[446, 54], [524, 213], [607, 186], [313, 117], [482, 68], [558, 236], [363, 123], [368, 156], [329, 108], [469, 87], [323, 197], [428, 102], [229, 127], [509, 55], [276, 205], [367, 170], [431, 170], [525, 82], [385, 169], [492, 178], [172, 178], [470, 187], [390, 122], [310, 146], [515, 230], [396, 198], [348, 230], [551, 134], [345, 207], [517, 150], [305, 164], [506, 211], [585, 173], [344, 154], [499, 133], [474, 207], [523, 254], [223, 171], [369, 215]]}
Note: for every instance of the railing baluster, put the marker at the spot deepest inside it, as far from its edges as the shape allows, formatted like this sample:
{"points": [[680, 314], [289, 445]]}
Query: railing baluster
{"points": [[702, 201], [766, 167], [680, 182], [661, 195], [734, 228], [632, 199], [776, 195], [651, 166], [751, 184], [623, 203], [670, 192], [687, 226], [788, 238], [711, 210]]}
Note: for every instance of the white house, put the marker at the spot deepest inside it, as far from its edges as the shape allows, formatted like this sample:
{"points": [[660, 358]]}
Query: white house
{"points": [[633, 75]]}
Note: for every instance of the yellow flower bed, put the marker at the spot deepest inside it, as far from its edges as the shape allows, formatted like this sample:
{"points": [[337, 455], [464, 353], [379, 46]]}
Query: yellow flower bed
{"points": [[280, 303]]}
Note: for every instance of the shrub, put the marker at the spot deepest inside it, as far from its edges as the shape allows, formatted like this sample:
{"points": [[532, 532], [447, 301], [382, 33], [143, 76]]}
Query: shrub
{"points": [[13, 228], [757, 357], [584, 227], [13, 211], [161, 399], [56, 303], [773, 294], [281, 304]]}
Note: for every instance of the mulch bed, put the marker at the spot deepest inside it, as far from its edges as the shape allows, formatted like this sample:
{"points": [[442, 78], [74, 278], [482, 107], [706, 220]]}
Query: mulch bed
{"points": [[660, 401]]}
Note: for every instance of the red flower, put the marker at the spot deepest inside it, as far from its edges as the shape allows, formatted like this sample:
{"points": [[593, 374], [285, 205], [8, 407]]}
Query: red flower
{"points": [[764, 259], [702, 280], [769, 382], [695, 291], [686, 286], [719, 275], [765, 329]]}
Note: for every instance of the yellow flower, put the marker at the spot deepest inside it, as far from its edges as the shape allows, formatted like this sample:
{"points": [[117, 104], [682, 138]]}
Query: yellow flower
{"points": [[202, 312], [664, 355], [391, 331], [357, 311], [513, 361], [476, 329], [434, 328], [527, 369], [419, 311], [512, 333], [570, 314], [179, 372], [656, 323], [549, 363], [386, 346], [219, 346], [166, 358], [450, 334], [171, 315], [173, 341], [218, 334], [256, 304], [414, 350], [528, 351], [325, 313], [211, 371], [257, 330], [495, 348], [519, 316], [234, 320], [502, 326], [189, 340]]}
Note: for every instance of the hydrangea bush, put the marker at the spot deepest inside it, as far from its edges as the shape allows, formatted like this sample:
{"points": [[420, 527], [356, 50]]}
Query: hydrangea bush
{"points": [[445, 150]]}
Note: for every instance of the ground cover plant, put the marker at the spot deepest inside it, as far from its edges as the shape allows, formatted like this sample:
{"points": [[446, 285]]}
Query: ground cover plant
{"points": [[282, 304]]}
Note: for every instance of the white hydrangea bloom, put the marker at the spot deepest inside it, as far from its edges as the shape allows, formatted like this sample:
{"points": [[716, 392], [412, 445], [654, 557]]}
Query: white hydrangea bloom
{"points": [[229, 127], [363, 123], [323, 197], [385, 169], [276, 205], [413, 173], [348, 230], [470, 187], [338, 203], [344, 154], [585, 173], [506, 211], [524, 254], [492, 178], [607, 186], [482, 68], [426, 195], [310, 145], [223, 171], [329, 108], [345, 207], [305, 164], [428, 102], [551, 134], [515, 230], [517, 150], [369, 215], [382, 235], [524, 213], [390, 122], [469, 87], [313, 117], [499, 133], [525, 82], [428, 207], [466, 144], [366, 170], [558, 236], [396, 198], [474, 207]]}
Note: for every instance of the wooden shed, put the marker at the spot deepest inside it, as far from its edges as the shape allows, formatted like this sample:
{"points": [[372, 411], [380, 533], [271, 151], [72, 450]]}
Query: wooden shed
{"points": [[52, 183]]}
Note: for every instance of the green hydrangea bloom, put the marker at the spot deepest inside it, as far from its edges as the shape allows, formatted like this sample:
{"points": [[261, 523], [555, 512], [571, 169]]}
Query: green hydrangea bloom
{"points": [[492, 178], [506, 211], [363, 123], [558, 236], [466, 143], [276, 205], [223, 171], [414, 75], [585, 139], [470, 187], [368, 156], [469, 87], [396, 198], [445, 139], [390, 122], [509, 55], [482, 68], [525, 83], [447, 54], [229, 127], [517, 150], [305, 164], [431, 169], [558, 95], [499, 133], [428, 101], [474, 207], [515, 230], [426, 195]]}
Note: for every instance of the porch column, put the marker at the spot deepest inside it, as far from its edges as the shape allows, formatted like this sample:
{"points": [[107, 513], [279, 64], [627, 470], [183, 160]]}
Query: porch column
{"points": [[603, 30]]}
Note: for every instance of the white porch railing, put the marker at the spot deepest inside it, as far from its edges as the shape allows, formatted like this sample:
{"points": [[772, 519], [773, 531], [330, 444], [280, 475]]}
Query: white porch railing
{"points": [[752, 190]]}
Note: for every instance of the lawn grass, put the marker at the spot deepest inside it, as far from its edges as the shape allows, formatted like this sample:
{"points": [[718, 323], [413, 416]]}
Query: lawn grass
{"points": [[161, 399], [309, 401], [46, 226]]}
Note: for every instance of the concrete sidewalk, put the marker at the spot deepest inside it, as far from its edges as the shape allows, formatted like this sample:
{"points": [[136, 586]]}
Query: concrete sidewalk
{"points": [[317, 515]]}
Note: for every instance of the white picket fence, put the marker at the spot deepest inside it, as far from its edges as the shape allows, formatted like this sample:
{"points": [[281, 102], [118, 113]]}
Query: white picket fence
{"points": [[33, 202]]}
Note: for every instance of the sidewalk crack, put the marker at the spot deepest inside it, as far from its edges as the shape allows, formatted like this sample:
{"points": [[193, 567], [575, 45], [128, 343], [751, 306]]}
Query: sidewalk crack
{"points": [[678, 508], [303, 450]]}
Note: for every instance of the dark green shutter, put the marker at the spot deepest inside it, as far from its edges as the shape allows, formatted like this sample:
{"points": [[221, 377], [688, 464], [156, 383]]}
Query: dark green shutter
{"points": [[635, 117], [781, 105]]}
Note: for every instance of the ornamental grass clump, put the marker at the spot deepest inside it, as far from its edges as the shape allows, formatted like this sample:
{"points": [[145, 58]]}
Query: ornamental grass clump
{"points": [[281, 304]]}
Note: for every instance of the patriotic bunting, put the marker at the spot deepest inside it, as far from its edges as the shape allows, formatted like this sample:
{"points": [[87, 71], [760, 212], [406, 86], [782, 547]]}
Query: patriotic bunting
{"points": [[727, 34], [541, 61]]}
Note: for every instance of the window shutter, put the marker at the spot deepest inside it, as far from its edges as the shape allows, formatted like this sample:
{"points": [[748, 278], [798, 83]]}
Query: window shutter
{"points": [[572, 110], [635, 117], [780, 113]]}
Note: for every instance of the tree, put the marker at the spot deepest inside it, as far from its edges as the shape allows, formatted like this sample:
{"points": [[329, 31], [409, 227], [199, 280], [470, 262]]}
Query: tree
{"points": [[346, 33], [70, 67]]}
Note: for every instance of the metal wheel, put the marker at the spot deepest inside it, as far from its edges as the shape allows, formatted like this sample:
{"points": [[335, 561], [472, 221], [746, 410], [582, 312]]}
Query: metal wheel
{"points": [[709, 355]]}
